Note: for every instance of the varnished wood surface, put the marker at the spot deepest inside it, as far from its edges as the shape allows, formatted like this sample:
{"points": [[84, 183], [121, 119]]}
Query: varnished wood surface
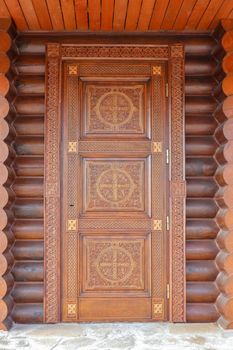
{"points": [[121, 15], [201, 228]]}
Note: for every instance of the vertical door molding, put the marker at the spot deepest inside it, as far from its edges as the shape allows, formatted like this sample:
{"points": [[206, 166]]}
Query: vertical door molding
{"points": [[178, 185], [52, 186], [175, 56]]}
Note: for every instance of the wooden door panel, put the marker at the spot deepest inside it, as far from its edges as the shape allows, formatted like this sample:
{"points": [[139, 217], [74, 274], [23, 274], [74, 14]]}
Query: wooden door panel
{"points": [[115, 264], [113, 186], [115, 189], [115, 108]]}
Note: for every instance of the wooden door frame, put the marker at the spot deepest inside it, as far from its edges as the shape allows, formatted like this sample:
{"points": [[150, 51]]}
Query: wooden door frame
{"points": [[56, 53]]}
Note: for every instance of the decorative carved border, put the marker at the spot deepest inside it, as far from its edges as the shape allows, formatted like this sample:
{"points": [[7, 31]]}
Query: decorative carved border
{"points": [[178, 186], [55, 53]]}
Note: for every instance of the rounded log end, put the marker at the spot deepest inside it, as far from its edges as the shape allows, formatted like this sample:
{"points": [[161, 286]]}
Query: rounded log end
{"points": [[225, 240], [4, 107], [227, 39], [4, 63], [224, 261], [225, 324], [225, 283], [227, 85], [5, 41], [225, 306], [227, 63], [228, 107], [4, 85]]}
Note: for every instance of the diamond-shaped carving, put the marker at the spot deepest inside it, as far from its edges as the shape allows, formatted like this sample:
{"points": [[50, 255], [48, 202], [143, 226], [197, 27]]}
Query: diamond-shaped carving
{"points": [[157, 225], [71, 309], [156, 70], [158, 308], [72, 225], [72, 147], [73, 70], [157, 147]]}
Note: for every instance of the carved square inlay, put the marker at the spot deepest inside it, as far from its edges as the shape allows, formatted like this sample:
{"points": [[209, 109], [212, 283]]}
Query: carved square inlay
{"points": [[115, 109], [115, 264], [115, 185]]}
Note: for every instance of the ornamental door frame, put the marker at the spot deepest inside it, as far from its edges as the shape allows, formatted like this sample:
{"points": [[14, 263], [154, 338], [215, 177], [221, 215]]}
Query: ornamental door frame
{"points": [[55, 55]]}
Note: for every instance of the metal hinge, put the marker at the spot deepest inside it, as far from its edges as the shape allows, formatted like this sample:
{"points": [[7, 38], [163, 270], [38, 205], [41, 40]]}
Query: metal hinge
{"points": [[167, 156], [167, 223], [166, 90], [168, 291]]}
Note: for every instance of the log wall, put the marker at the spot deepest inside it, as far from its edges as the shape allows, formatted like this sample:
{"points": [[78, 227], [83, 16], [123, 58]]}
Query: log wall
{"points": [[7, 176], [224, 173], [201, 88]]}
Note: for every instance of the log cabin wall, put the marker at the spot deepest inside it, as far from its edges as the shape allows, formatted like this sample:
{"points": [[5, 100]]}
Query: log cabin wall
{"points": [[200, 67], [7, 176]]}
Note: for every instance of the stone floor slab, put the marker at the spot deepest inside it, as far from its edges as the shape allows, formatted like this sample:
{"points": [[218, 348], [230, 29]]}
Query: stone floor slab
{"points": [[117, 336]]}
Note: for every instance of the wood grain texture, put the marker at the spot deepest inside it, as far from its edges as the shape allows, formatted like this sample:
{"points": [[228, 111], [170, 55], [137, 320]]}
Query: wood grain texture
{"points": [[55, 13], [107, 14], [145, 14], [42, 13], [94, 14]]}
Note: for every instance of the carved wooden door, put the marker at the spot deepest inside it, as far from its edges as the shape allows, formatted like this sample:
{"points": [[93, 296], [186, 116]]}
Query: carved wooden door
{"points": [[114, 210]]}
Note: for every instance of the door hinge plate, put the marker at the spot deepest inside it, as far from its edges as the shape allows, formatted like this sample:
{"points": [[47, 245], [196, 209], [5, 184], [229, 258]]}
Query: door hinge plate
{"points": [[166, 90], [168, 291]]}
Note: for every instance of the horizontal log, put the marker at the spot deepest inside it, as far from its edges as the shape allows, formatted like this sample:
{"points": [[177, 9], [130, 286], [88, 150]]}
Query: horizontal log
{"points": [[201, 187], [29, 208], [201, 229], [201, 292], [28, 187], [30, 85], [202, 270], [30, 105], [200, 146], [29, 125], [199, 105], [199, 86], [200, 125], [198, 46], [28, 293], [200, 66], [201, 208], [31, 271], [200, 166], [201, 312], [28, 250], [29, 166], [28, 229], [30, 65], [28, 313], [26, 145], [201, 249]]}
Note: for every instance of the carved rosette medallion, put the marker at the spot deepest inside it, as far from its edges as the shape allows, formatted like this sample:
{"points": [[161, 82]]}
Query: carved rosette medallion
{"points": [[115, 264], [115, 185], [115, 109]]}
